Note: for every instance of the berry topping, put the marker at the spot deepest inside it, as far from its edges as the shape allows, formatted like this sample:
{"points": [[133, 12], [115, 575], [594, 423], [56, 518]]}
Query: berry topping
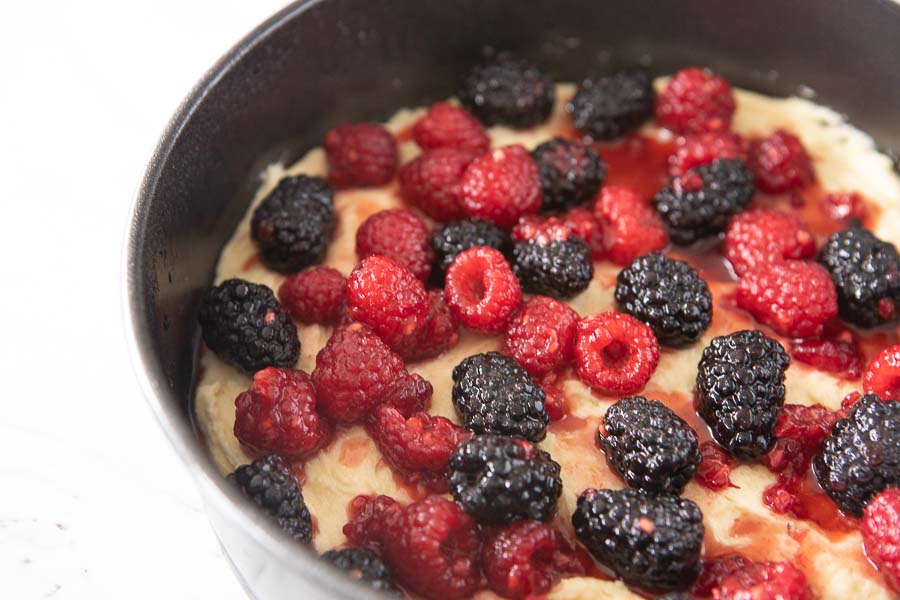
{"points": [[558, 268], [695, 100], [608, 107], [861, 457], [525, 558], [882, 376], [541, 336], [881, 534], [615, 353], [314, 296], [294, 223], [795, 298], [368, 517], [759, 238], [455, 237], [703, 149], [630, 227], [845, 206], [494, 394], [501, 185], [780, 163], [432, 182], [399, 234], [410, 394], [839, 356], [571, 173], [866, 273], [271, 485], [544, 230], [363, 565], [714, 570], [668, 295], [650, 446], [715, 467], [700, 203], [437, 333], [481, 289], [508, 91], [585, 225], [764, 581], [676, 596], [649, 541], [740, 388], [447, 125], [244, 324], [360, 155]]}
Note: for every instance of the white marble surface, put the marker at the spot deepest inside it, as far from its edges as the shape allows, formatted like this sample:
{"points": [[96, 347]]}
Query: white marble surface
{"points": [[93, 502]]}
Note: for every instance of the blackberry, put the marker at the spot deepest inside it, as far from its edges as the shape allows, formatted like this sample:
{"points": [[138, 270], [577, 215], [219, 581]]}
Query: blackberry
{"points": [[244, 324], [363, 565], [557, 268], [498, 479], [650, 541], [668, 295], [508, 91], [571, 173], [453, 238], [294, 223], [700, 203], [608, 107], [866, 273], [650, 446], [861, 457], [494, 394], [740, 385], [271, 485], [676, 596]]}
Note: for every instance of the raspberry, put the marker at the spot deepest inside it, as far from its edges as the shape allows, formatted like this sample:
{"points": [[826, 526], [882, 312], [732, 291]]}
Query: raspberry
{"points": [[559, 268], [455, 237], [795, 298], [360, 155], [714, 570], [363, 565], [314, 296], [277, 415], [798, 434], [398, 234], [432, 182], [882, 376], [292, 226], [615, 353], [387, 297], [758, 238], [508, 91], [410, 393], [419, 446], [881, 534], [437, 333], [543, 230], [367, 519], [499, 479], [703, 149], [481, 290], [780, 163], [501, 185], [447, 125], [571, 173], [585, 225], [715, 467], [845, 206], [608, 107], [244, 324], [764, 581], [524, 559], [695, 100], [839, 356], [630, 227], [541, 336]]}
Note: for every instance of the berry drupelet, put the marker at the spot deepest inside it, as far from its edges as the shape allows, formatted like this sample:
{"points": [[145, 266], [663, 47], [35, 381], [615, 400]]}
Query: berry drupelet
{"points": [[432, 182], [606, 108], [509, 91], [541, 336], [556, 268], [615, 353], [481, 289], [453, 238], [571, 173], [363, 565]]}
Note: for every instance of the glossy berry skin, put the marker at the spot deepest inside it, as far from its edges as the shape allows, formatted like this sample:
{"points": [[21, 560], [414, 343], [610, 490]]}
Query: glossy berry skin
{"points": [[882, 376], [501, 185], [571, 173], [740, 389], [432, 182], [499, 479], [434, 335], [481, 289], [293, 225], [650, 541], [269, 483], [615, 353], [630, 227], [650, 446], [492, 393], [557, 268], [714, 570], [446, 125], [606, 108], [780, 163], [541, 336], [365, 566], [765, 581], [881, 533], [582, 222], [703, 149], [453, 238], [839, 356], [714, 471], [360, 155], [695, 100], [758, 238], [399, 234], [244, 325], [314, 296], [509, 91]]}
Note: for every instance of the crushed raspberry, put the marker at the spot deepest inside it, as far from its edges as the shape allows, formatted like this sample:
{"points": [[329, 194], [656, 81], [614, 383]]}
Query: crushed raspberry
{"points": [[437, 332], [765, 581], [399, 234], [881, 535], [695, 101], [714, 570], [795, 298], [757, 238], [841, 356], [780, 163], [432, 182], [630, 227], [585, 225], [525, 558], [704, 148], [481, 289], [882, 376], [277, 415], [615, 353], [367, 517], [419, 446], [544, 230], [849, 400], [715, 467], [845, 206], [447, 125], [556, 404], [360, 155], [314, 296], [541, 335], [501, 185], [409, 394]]}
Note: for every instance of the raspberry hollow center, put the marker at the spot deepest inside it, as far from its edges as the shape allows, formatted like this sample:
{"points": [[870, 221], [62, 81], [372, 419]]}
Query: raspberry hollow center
{"points": [[616, 354]]}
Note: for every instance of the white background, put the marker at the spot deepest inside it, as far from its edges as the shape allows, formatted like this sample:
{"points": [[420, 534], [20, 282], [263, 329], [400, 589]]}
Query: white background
{"points": [[93, 502]]}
